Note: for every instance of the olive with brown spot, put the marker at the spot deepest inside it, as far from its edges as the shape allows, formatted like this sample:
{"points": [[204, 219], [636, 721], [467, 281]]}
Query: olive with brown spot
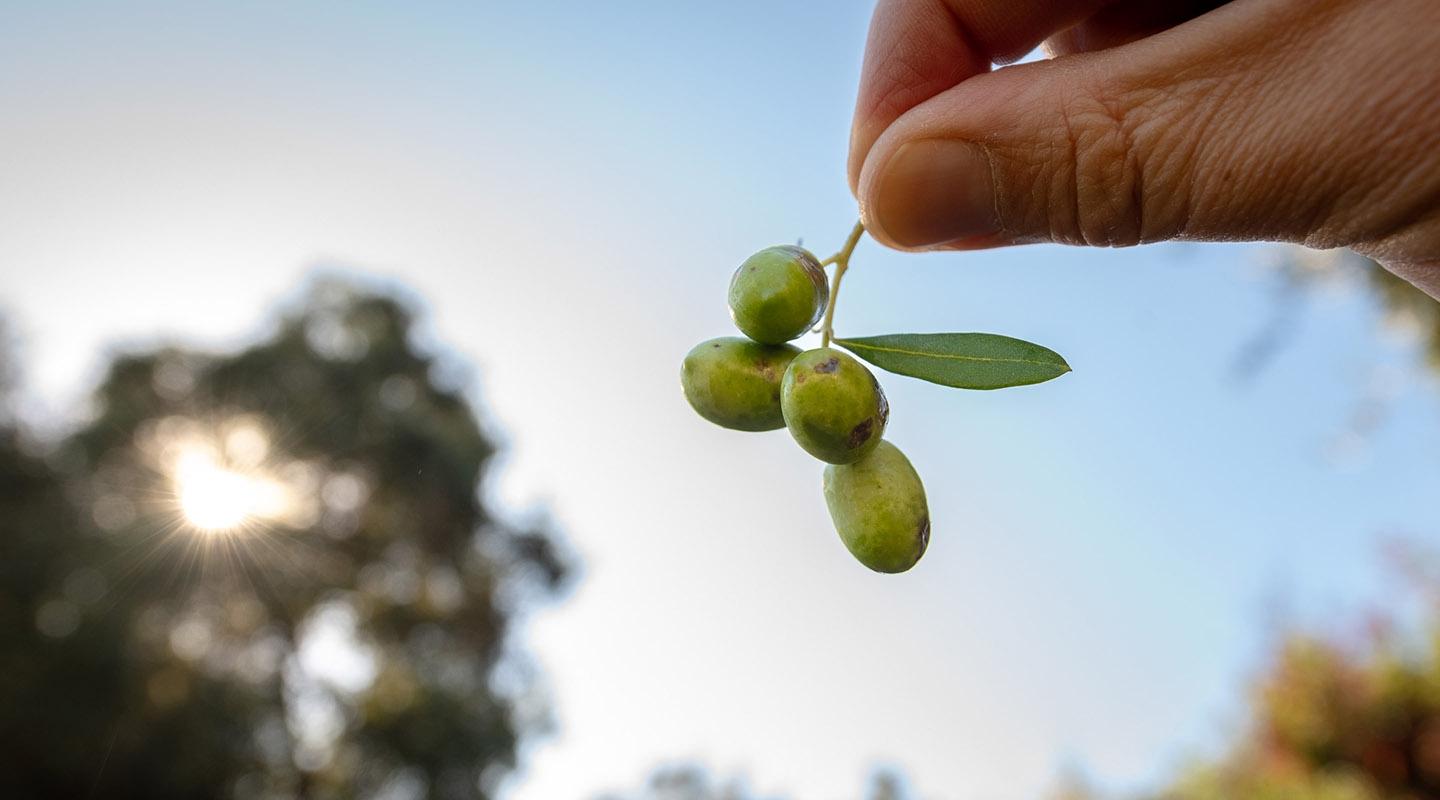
{"points": [[879, 509], [833, 406], [778, 294], [735, 383]]}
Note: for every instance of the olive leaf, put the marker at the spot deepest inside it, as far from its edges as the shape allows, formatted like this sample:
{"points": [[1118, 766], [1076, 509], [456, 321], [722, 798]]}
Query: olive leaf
{"points": [[961, 360]]}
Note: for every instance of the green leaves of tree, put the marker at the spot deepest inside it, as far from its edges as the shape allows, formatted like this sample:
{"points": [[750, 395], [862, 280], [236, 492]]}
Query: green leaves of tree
{"points": [[961, 360]]}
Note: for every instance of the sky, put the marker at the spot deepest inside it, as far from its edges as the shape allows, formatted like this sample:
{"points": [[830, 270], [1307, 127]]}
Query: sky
{"points": [[566, 187]]}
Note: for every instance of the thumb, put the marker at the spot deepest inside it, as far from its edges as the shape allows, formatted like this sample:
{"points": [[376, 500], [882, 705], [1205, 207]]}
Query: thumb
{"points": [[1261, 120]]}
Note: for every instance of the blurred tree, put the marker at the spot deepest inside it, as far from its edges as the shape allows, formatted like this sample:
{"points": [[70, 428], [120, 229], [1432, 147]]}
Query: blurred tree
{"points": [[1408, 307], [686, 782], [693, 782], [266, 574], [1301, 271], [1330, 724]]}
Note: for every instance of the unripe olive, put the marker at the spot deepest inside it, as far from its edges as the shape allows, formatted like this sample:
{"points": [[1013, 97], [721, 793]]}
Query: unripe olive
{"points": [[878, 506], [833, 406], [778, 294], [735, 383]]}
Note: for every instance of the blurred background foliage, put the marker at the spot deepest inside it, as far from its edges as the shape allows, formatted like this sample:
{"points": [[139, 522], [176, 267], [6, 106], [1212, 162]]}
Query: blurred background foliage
{"points": [[1300, 272], [1333, 717], [693, 782], [270, 573], [274, 573], [1329, 721]]}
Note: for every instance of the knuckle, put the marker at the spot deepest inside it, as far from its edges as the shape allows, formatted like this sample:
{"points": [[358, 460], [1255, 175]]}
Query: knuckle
{"points": [[1109, 172], [1099, 194]]}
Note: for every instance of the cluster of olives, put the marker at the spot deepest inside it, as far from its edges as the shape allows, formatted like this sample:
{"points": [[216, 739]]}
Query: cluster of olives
{"points": [[829, 401]]}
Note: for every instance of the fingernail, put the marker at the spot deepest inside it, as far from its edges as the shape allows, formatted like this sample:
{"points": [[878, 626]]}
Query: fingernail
{"points": [[935, 191]]}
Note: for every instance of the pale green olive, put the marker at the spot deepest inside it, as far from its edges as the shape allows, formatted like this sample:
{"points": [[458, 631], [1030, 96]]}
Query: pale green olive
{"points": [[778, 294], [735, 383], [879, 509], [833, 406]]}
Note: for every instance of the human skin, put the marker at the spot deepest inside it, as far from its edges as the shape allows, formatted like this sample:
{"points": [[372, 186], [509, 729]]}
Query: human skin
{"points": [[1307, 121]]}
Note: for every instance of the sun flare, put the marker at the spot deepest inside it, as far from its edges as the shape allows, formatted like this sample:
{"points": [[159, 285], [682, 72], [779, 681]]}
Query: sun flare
{"points": [[215, 498]]}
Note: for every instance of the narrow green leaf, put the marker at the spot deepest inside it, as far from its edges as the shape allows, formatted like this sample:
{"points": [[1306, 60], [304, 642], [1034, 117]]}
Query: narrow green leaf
{"points": [[962, 360]]}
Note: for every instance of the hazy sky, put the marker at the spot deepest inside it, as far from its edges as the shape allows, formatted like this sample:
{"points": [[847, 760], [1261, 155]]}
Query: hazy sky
{"points": [[567, 186]]}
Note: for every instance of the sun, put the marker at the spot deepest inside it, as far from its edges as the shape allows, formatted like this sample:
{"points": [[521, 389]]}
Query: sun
{"points": [[214, 498]]}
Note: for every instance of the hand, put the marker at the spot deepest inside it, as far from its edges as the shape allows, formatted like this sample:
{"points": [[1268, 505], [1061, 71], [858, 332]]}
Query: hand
{"points": [[1309, 121]]}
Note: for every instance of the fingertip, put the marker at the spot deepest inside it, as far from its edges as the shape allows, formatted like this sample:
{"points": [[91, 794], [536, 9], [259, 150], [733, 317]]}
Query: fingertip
{"points": [[986, 241], [914, 51], [929, 192], [854, 161]]}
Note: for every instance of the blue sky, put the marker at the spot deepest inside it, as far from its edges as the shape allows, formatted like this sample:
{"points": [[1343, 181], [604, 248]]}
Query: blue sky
{"points": [[568, 186]]}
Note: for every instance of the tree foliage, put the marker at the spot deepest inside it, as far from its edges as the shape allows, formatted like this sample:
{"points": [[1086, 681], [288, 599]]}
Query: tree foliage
{"points": [[693, 782], [1331, 723], [268, 573]]}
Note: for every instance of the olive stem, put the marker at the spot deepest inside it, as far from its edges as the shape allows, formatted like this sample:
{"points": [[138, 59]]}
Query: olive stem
{"points": [[841, 260]]}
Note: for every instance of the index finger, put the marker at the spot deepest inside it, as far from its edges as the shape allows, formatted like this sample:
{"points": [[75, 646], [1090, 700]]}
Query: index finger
{"points": [[919, 48]]}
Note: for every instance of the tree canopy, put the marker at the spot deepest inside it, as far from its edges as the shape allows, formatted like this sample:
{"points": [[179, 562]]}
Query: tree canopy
{"points": [[267, 573]]}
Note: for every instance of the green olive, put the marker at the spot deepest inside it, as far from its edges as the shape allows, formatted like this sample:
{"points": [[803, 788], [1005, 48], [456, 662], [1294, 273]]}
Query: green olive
{"points": [[833, 406], [778, 294], [878, 506], [735, 383]]}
